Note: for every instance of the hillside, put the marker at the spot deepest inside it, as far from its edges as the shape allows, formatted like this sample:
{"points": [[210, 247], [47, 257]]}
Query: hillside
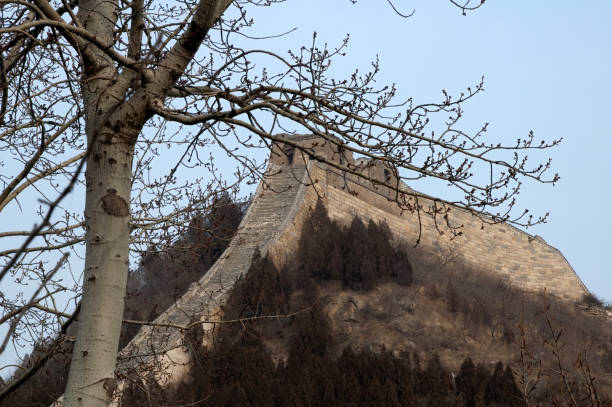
{"points": [[354, 324], [330, 294]]}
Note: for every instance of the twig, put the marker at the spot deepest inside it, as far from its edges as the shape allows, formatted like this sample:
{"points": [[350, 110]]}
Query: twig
{"points": [[14, 385]]}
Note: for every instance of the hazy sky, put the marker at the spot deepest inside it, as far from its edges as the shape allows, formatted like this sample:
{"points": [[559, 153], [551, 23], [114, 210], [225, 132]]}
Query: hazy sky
{"points": [[547, 68]]}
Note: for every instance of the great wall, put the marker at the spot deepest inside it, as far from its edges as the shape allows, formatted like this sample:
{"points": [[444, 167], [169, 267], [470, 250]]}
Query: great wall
{"points": [[290, 188]]}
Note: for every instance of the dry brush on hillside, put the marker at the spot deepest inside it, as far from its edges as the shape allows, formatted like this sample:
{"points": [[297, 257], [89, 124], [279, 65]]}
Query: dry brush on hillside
{"points": [[353, 309]]}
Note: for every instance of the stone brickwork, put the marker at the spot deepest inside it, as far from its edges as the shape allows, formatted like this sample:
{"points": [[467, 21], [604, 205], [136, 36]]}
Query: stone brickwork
{"points": [[515, 256]]}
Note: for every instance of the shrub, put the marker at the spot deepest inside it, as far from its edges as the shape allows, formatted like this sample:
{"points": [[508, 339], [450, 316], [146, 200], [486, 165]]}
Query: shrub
{"points": [[591, 300]]}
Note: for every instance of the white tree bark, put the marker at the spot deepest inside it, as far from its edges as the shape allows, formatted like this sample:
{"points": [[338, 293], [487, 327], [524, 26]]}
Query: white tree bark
{"points": [[107, 217], [108, 176]]}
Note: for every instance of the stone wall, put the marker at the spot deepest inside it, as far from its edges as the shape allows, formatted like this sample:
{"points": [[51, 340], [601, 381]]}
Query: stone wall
{"points": [[515, 256], [291, 187], [267, 226]]}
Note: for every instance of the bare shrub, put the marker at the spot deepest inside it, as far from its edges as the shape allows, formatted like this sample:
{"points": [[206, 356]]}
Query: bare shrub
{"points": [[592, 300]]}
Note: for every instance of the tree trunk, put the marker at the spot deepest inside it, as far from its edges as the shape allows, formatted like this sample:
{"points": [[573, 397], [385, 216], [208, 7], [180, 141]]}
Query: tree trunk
{"points": [[107, 214], [114, 122]]}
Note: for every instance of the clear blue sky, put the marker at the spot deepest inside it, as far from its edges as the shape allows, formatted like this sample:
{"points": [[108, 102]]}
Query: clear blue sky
{"points": [[547, 68]]}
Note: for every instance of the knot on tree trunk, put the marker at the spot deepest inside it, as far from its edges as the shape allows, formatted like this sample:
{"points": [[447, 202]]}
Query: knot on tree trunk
{"points": [[114, 205]]}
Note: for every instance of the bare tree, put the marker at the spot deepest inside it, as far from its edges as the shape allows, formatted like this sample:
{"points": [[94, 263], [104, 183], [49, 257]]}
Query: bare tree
{"points": [[108, 83]]}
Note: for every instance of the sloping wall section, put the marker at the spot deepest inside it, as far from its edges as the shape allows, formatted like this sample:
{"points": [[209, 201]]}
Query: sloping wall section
{"points": [[277, 199], [517, 257], [292, 186]]}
